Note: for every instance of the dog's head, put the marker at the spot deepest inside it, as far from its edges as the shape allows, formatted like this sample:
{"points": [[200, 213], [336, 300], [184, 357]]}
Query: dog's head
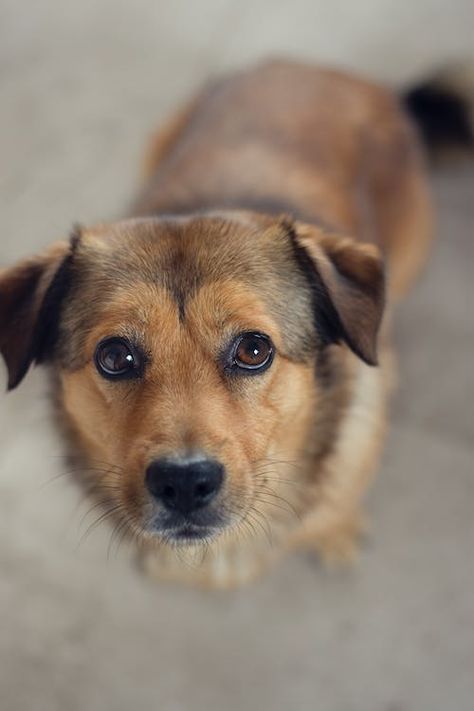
{"points": [[184, 351]]}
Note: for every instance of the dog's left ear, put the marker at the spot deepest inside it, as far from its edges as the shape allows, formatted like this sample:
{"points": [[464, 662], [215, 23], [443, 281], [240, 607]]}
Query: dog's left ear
{"points": [[31, 293], [348, 284]]}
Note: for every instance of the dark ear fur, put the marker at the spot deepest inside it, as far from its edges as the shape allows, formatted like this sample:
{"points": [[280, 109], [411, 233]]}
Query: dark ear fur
{"points": [[31, 294], [347, 278]]}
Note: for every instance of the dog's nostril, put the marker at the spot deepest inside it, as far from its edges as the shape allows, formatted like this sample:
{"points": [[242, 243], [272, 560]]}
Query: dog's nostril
{"points": [[169, 492], [202, 490], [184, 485]]}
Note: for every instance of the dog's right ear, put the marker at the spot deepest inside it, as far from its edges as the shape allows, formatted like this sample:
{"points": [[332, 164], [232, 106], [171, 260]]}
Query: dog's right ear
{"points": [[31, 295]]}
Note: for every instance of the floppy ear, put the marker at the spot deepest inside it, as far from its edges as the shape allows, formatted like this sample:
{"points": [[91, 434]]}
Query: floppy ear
{"points": [[31, 294], [348, 284]]}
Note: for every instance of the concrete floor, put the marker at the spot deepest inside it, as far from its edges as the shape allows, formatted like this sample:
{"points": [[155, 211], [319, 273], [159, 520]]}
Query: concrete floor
{"points": [[82, 84]]}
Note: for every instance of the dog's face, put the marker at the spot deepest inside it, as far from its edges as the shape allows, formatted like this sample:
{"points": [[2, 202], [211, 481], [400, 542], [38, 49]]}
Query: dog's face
{"points": [[184, 350]]}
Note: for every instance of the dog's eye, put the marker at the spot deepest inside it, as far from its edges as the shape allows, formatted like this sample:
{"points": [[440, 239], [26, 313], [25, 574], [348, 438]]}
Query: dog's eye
{"points": [[116, 358], [252, 351]]}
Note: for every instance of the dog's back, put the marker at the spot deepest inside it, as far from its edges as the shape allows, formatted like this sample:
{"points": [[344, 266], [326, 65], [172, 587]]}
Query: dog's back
{"points": [[317, 144]]}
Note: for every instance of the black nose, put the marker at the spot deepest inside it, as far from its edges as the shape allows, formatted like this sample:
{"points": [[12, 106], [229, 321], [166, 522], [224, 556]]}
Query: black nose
{"points": [[184, 485]]}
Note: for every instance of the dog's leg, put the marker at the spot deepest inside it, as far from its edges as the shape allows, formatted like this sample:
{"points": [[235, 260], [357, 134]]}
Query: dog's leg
{"points": [[336, 524], [339, 544]]}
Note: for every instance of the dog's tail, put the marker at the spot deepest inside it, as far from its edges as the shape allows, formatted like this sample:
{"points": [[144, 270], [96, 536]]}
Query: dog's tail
{"points": [[442, 106]]}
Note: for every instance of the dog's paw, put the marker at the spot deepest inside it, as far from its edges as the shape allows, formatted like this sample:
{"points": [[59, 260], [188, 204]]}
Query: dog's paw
{"points": [[340, 545]]}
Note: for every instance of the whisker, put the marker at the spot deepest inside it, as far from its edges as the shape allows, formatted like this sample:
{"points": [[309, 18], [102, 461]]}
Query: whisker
{"points": [[263, 476], [279, 462], [255, 515], [103, 517], [284, 506], [118, 535], [73, 472]]}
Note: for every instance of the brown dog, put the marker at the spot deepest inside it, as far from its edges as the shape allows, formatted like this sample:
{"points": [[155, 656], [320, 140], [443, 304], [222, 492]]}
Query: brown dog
{"points": [[218, 358]]}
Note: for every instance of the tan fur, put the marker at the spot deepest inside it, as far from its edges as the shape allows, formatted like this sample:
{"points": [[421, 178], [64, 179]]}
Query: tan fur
{"points": [[302, 179]]}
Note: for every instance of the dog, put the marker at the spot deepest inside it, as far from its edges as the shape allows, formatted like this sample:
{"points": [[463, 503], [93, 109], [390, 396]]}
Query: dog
{"points": [[220, 359]]}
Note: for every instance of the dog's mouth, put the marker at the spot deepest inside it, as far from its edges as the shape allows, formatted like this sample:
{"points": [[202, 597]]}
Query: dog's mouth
{"points": [[189, 534], [186, 531]]}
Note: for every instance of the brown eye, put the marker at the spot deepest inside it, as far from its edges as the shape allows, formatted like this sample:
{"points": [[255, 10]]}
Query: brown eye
{"points": [[253, 351], [115, 358]]}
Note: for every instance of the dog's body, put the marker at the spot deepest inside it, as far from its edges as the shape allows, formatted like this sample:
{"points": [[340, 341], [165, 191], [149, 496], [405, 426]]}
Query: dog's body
{"points": [[249, 289], [324, 147]]}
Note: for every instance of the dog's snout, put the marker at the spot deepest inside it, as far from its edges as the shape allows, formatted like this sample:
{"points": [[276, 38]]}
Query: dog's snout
{"points": [[184, 485]]}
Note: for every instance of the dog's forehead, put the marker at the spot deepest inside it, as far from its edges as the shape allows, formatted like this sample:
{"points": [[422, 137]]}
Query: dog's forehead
{"points": [[184, 250], [182, 255]]}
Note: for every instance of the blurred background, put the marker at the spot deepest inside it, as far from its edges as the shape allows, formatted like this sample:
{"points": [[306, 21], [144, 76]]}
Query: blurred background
{"points": [[82, 86]]}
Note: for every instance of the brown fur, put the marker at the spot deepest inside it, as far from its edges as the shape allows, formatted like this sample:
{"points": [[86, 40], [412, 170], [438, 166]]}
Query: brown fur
{"points": [[268, 204]]}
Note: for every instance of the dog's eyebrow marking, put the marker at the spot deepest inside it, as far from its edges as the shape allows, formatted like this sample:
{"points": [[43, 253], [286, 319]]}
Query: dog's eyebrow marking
{"points": [[182, 280], [180, 298]]}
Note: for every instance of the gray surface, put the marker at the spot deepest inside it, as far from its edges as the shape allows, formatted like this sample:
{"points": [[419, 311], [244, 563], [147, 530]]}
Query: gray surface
{"points": [[82, 84]]}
